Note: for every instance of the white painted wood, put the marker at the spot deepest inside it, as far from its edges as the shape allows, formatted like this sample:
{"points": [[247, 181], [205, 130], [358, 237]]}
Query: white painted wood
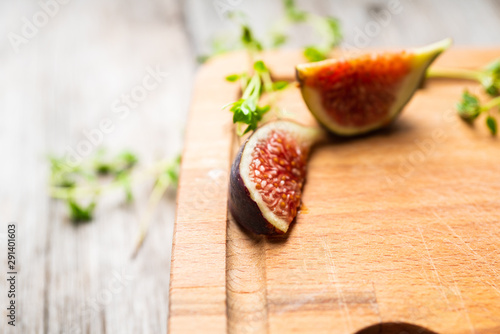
{"points": [[61, 83], [64, 80]]}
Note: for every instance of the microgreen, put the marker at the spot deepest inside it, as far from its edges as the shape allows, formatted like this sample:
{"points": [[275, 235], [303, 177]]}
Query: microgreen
{"points": [[488, 77], [233, 77], [80, 212], [326, 27], [167, 177], [95, 176], [248, 40], [247, 110], [90, 178], [279, 85], [313, 54], [293, 13], [81, 186], [491, 122], [469, 108]]}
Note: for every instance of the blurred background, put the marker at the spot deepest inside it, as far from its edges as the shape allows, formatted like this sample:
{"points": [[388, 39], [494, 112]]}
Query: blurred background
{"points": [[68, 65]]}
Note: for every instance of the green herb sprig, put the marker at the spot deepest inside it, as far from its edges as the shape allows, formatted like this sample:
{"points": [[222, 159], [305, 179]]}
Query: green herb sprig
{"points": [[488, 77], [247, 111], [168, 177], [81, 186], [327, 27], [470, 108]]}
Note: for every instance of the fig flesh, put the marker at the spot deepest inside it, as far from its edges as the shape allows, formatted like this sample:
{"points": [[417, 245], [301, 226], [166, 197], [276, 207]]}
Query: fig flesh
{"points": [[359, 94], [268, 174]]}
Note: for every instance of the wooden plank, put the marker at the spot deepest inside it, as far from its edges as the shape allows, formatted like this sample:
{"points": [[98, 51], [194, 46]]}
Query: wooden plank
{"points": [[198, 291], [400, 226], [23, 195], [64, 80], [61, 83]]}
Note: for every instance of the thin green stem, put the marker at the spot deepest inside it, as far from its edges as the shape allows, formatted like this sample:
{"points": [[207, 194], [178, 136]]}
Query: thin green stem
{"points": [[454, 73], [91, 190], [82, 191], [251, 87], [268, 82], [491, 104], [321, 27], [256, 89]]}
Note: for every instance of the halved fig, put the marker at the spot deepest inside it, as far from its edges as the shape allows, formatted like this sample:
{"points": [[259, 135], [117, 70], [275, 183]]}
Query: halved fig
{"points": [[359, 94], [268, 174]]}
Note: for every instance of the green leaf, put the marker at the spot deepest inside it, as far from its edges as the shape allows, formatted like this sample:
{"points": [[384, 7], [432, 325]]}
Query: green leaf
{"points": [[491, 78], [128, 158], [494, 66], [232, 77], [469, 108], [258, 46], [262, 110], [279, 85], [248, 40], [289, 4], [314, 54], [293, 13], [103, 165], [490, 84], [248, 112], [103, 168], [491, 122], [80, 213], [246, 35], [278, 39], [334, 30], [62, 175], [260, 66], [203, 58], [173, 170]]}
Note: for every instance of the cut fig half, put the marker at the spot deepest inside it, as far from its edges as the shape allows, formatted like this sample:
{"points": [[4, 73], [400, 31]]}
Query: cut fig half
{"points": [[268, 174], [359, 94]]}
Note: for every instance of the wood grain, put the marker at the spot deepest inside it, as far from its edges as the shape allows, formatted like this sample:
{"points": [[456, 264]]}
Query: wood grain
{"points": [[80, 279], [399, 226], [64, 81]]}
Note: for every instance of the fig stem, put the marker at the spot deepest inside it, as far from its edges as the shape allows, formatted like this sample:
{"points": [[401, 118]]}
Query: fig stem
{"points": [[454, 73]]}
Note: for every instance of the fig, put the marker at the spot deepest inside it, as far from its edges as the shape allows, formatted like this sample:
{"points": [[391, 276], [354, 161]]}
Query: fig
{"points": [[268, 174], [362, 93]]}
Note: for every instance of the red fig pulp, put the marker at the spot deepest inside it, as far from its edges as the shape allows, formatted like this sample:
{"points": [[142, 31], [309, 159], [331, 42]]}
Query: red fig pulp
{"points": [[267, 176], [359, 94]]}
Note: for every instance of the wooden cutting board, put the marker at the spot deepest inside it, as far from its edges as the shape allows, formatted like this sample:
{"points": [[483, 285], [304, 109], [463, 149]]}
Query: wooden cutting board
{"points": [[402, 226]]}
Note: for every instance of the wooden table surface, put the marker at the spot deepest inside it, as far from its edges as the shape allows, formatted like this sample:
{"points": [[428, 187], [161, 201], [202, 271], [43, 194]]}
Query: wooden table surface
{"points": [[400, 226], [64, 78]]}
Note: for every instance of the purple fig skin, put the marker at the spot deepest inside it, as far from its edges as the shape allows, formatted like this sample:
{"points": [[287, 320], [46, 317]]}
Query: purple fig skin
{"points": [[243, 208]]}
